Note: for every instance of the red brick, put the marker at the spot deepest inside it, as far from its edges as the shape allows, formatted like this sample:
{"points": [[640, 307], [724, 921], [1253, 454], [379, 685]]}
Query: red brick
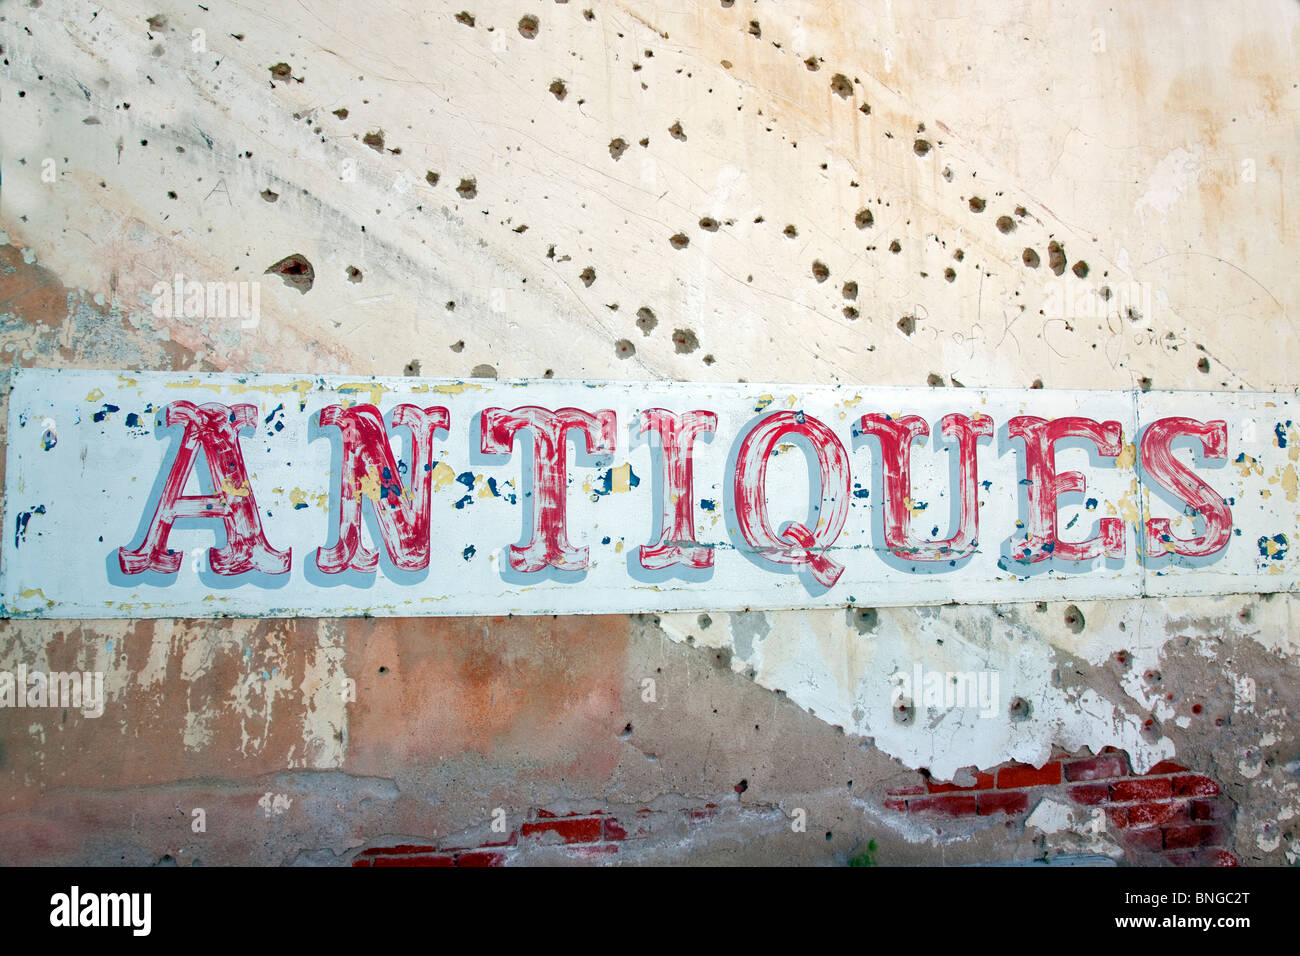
{"points": [[1090, 794], [1098, 768], [1157, 788], [1023, 775], [1209, 810], [1016, 802], [1152, 839], [402, 849], [1156, 814], [1166, 766], [702, 816], [983, 781], [480, 858], [1118, 817], [953, 804], [1177, 838], [1202, 857], [361, 861], [548, 815], [429, 859], [568, 830], [895, 804], [1195, 785], [614, 830]]}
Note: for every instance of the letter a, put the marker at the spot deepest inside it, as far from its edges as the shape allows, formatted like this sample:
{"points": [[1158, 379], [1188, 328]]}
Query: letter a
{"points": [[214, 428]]}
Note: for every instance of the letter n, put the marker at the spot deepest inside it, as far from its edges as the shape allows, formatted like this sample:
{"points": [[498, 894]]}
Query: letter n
{"points": [[370, 471], [214, 429]]}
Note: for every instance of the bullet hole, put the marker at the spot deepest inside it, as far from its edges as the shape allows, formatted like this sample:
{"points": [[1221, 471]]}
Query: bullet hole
{"points": [[624, 349], [558, 89], [465, 17], [549, 373], [907, 324], [431, 177], [904, 712], [588, 276], [589, 14], [1196, 708], [383, 669], [812, 64], [865, 109], [458, 346], [1244, 615], [704, 621], [959, 255], [1074, 619], [728, 3], [709, 224], [617, 147], [483, 371], [790, 231], [819, 271], [1030, 258], [976, 204], [950, 274], [921, 147], [171, 194], [864, 219], [412, 368], [1080, 269], [296, 272], [1006, 224], [721, 660], [468, 188], [685, 341], [741, 787], [850, 312], [627, 731], [270, 196], [841, 86], [755, 30], [1152, 676], [644, 141], [934, 381], [528, 26], [677, 132], [1122, 659], [1105, 293], [281, 71], [1203, 365], [1145, 383], [156, 22], [679, 241], [1019, 709], [895, 247], [864, 619], [1056, 257], [450, 306], [1021, 212], [341, 112], [850, 290], [374, 140], [1038, 383], [645, 320], [354, 274]]}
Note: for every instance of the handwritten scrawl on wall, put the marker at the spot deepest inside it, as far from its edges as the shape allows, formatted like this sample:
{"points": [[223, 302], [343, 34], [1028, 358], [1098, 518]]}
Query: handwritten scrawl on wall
{"points": [[135, 494]]}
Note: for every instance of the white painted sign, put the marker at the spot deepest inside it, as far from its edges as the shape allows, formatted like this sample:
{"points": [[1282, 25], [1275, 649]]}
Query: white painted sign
{"points": [[138, 494]]}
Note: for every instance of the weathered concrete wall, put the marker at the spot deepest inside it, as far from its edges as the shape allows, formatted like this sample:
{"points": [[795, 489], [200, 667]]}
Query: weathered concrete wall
{"points": [[806, 192]]}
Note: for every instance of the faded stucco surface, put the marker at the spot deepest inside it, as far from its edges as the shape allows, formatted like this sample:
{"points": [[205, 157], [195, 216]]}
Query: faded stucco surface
{"points": [[803, 192]]}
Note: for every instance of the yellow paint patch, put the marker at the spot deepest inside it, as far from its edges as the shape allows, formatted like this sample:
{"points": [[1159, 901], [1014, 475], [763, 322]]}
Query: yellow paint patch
{"points": [[374, 388], [1127, 456], [229, 489], [369, 485], [763, 402], [1290, 482], [95, 396], [620, 478], [443, 475]]}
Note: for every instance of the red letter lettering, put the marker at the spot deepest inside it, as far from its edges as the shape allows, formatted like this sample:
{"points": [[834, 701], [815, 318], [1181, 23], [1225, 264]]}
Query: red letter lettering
{"points": [[215, 428], [1158, 462], [549, 542], [369, 470], [677, 544], [1045, 486], [795, 544], [896, 437]]}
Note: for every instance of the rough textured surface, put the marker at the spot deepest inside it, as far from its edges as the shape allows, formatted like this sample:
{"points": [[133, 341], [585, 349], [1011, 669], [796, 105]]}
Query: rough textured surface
{"points": [[645, 190]]}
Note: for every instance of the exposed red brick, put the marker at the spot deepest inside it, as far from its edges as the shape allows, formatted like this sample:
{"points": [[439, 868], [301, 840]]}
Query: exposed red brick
{"points": [[1090, 794], [480, 858], [1202, 857], [953, 804], [567, 829], [428, 859], [1195, 785], [1023, 775], [1157, 814], [701, 816], [402, 849], [1118, 817], [614, 830], [1166, 766], [983, 781], [997, 802], [1177, 838], [361, 861], [1098, 768], [895, 804], [1156, 788], [548, 815], [1209, 810], [1150, 839]]}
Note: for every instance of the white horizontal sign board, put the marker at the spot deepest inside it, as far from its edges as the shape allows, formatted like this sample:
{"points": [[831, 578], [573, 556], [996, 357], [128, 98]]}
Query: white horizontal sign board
{"points": [[136, 494]]}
